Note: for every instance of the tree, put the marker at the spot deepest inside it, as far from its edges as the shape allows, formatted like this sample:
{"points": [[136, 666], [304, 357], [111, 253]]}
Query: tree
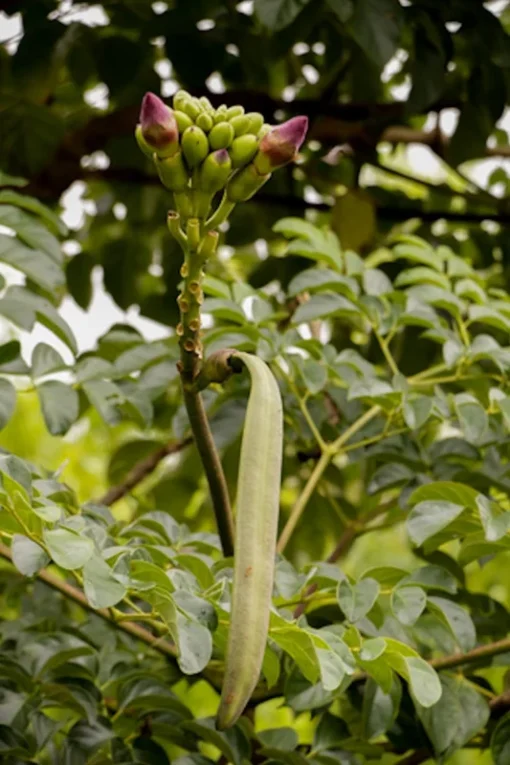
{"points": [[389, 628]]}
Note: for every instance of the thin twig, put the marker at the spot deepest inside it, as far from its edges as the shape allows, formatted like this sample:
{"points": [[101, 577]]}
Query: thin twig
{"points": [[142, 469], [76, 595]]}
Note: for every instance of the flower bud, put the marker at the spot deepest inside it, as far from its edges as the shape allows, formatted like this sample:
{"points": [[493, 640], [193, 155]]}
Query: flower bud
{"points": [[180, 98], [243, 149], [221, 135], [245, 184], [241, 124], [220, 115], [264, 130], [215, 171], [142, 143], [206, 104], [204, 121], [183, 120], [191, 107], [172, 172], [256, 122], [280, 145], [195, 146], [158, 126], [234, 111]]}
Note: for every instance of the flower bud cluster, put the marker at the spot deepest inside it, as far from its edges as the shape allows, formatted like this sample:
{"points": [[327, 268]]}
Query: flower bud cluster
{"points": [[199, 150]]}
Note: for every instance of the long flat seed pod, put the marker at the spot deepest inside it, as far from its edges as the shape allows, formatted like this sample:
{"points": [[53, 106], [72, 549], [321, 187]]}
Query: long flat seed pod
{"points": [[258, 499]]}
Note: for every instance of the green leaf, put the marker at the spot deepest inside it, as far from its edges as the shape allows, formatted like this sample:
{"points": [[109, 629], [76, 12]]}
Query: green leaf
{"points": [[25, 202], [278, 14], [195, 645], [46, 359], [500, 741], [36, 265], [419, 251], [318, 279], [450, 491], [30, 231], [297, 643], [357, 600], [101, 587], [457, 620], [68, 549], [380, 709], [408, 603], [422, 275], [28, 556], [375, 25], [417, 411], [233, 743], [472, 417], [423, 680], [495, 520], [429, 517], [459, 715], [314, 375], [60, 406], [279, 738], [23, 308], [375, 282], [224, 309], [323, 305], [7, 401], [342, 8]]}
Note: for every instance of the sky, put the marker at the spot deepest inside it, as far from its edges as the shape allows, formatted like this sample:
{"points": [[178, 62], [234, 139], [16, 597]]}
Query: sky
{"points": [[89, 325]]}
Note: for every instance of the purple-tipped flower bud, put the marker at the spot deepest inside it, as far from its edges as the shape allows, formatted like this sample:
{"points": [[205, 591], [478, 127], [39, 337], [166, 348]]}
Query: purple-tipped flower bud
{"points": [[215, 171], [280, 145], [158, 126]]}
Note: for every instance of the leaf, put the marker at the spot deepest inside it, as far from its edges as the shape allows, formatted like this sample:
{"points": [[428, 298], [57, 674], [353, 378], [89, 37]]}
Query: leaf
{"points": [[25, 202], [500, 741], [224, 309], [28, 556], [297, 643], [458, 621], [315, 375], [60, 406], [459, 715], [279, 738], [23, 308], [450, 491], [423, 680], [408, 603], [233, 743], [323, 305], [30, 231], [472, 417], [7, 401], [102, 589], [495, 520], [357, 600], [429, 517], [195, 645], [36, 265], [318, 279], [278, 14], [67, 548], [417, 411], [375, 26], [375, 282], [380, 709], [46, 359]]}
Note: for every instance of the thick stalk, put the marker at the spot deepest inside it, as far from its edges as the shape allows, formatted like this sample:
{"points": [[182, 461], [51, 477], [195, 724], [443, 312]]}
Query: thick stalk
{"points": [[190, 343]]}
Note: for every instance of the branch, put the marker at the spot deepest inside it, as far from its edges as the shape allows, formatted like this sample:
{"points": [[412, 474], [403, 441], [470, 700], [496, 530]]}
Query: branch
{"points": [[141, 470], [481, 652], [76, 595]]}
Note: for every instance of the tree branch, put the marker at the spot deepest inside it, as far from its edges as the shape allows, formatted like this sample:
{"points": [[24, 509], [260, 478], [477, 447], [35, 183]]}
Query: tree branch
{"points": [[141, 470], [76, 595]]}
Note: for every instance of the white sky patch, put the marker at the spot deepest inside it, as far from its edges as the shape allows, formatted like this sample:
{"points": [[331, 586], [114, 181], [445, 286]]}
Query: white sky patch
{"points": [[300, 48], [11, 31], [232, 49], [245, 7], [311, 74], [319, 48], [394, 65], [204, 25], [91, 15], [164, 68], [98, 96], [215, 83], [168, 88], [119, 210], [159, 8]]}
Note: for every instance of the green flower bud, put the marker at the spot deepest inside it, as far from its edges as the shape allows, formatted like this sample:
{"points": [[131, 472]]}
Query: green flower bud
{"points": [[234, 111], [180, 98], [204, 121], [221, 135], [241, 124], [142, 143], [206, 104], [191, 107], [264, 130], [243, 149], [256, 122], [183, 121], [173, 172], [215, 171], [158, 126], [195, 145], [245, 184], [220, 113]]}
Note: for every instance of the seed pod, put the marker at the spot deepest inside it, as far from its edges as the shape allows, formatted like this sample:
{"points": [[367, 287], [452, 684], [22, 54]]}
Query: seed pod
{"points": [[241, 124], [172, 172], [221, 136], [258, 495], [245, 184], [243, 149], [195, 146], [215, 171], [204, 121], [234, 111], [183, 121], [256, 122]]}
